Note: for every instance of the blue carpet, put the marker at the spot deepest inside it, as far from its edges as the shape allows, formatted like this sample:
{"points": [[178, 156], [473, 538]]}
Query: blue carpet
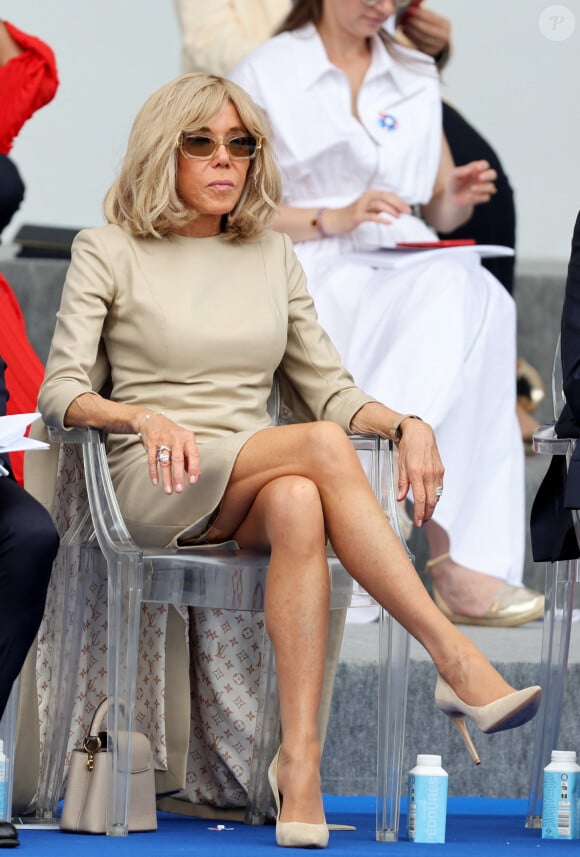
{"points": [[476, 827]]}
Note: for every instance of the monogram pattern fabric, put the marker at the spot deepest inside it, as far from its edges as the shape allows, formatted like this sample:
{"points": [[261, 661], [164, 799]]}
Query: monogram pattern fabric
{"points": [[225, 650]]}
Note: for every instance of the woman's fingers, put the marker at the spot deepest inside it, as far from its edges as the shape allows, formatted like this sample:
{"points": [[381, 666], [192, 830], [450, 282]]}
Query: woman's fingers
{"points": [[172, 455], [421, 469]]}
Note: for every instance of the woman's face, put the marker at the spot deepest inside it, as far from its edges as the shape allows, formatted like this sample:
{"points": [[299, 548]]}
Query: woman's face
{"points": [[212, 186], [355, 17]]}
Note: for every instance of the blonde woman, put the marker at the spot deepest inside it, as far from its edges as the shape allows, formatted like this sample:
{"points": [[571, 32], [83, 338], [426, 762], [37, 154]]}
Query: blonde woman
{"points": [[198, 304]]}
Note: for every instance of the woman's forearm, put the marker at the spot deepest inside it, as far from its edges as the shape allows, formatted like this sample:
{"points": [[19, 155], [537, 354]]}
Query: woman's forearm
{"points": [[90, 409], [301, 224], [443, 214]]}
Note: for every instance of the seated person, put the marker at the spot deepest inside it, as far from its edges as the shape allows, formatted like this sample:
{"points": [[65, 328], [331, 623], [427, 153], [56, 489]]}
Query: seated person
{"points": [[198, 304], [553, 536], [357, 133], [28, 546]]}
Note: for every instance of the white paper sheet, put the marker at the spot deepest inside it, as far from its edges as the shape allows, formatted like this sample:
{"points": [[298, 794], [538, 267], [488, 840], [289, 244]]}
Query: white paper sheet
{"points": [[12, 430]]}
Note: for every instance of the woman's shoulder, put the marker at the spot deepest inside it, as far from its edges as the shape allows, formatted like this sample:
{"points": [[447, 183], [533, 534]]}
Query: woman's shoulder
{"points": [[274, 51], [108, 235]]}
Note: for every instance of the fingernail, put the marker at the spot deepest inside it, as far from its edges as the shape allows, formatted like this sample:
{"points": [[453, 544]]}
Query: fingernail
{"points": [[192, 479], [168, 489], [420, 522], [156, 481], [179, 488]]}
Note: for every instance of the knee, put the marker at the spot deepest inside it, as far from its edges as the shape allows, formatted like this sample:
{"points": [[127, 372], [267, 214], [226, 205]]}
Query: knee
{"points": [[329, 447], [294, 508]]}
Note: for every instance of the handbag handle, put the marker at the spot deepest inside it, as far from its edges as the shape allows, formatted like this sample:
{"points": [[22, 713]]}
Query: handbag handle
{"points": [[100, 714]]}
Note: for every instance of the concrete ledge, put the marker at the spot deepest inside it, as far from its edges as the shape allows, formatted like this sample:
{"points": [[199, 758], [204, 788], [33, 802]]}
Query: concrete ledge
{"points": [[349, 763]]}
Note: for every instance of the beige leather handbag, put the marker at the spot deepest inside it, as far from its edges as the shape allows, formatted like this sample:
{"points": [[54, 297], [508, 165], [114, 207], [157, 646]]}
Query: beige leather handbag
{"points": [[86, 796]]}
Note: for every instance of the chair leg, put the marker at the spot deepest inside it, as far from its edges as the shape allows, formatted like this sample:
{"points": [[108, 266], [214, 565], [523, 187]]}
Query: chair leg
{"points": [[393, 677], [560, 582], [125, 576], [71, 571], [266, 741], [8, 738]]}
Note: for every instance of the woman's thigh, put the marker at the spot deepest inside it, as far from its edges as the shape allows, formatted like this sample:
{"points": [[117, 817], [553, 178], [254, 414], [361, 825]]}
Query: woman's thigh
{"points": [[311, 450]]}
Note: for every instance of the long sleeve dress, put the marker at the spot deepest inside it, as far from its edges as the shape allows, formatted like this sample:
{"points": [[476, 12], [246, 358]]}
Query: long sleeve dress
{"points": [[433, 336], [196, 327]]}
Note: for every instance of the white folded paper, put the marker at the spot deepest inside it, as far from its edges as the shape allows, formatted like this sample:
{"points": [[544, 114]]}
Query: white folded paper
{"points": [[12, 437], [400, 257]]}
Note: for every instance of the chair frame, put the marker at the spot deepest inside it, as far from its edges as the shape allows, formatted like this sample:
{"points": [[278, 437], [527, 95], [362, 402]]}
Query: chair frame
{"points": [[561, 578], [204, 578]]}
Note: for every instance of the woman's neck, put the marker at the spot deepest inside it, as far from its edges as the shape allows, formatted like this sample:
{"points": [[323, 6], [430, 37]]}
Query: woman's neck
{"points": [[349, 54]]}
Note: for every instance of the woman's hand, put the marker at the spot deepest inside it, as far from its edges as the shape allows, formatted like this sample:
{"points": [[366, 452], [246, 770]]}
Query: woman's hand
{"points": [[420, 465], [472, 184], [377, 206], [420, 468], [164, 439], [429, 32]]}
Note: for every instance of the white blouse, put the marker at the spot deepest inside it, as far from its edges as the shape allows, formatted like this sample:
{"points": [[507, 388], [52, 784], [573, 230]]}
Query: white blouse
{"points": [[327, 156]]}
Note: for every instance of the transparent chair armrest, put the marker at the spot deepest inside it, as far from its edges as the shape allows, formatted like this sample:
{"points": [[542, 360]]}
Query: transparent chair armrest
{"points": [[546, 442], [111, 531]]}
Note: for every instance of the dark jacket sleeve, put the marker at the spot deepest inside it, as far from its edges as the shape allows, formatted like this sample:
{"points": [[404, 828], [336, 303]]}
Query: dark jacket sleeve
{"points": [[552, 529]]}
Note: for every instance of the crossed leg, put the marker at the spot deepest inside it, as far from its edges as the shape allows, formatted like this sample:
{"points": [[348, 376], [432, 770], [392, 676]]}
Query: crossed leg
{"points": [[291, 487]]}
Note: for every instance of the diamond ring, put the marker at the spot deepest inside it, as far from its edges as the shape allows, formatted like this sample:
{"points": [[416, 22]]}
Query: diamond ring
{"points": [[163, 455]]}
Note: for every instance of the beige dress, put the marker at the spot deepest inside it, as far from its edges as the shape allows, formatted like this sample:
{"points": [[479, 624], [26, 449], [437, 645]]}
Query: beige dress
{"points": [[197, 328]]}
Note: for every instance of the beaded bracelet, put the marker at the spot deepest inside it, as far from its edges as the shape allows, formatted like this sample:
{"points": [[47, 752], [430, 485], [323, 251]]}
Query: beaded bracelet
{"points": [[316, 223], [148, 417]]}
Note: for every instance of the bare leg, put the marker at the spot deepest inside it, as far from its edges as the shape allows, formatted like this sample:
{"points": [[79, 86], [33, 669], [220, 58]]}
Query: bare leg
{"points": [[327, 488], [464, 590], [287, 514]]}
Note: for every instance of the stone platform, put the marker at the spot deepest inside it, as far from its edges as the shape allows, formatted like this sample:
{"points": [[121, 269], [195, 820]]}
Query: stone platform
{"points": [[349, 763]]}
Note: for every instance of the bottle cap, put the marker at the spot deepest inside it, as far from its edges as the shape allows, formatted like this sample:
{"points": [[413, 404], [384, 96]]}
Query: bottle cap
{"points": [[430, 761], [563, 755]]}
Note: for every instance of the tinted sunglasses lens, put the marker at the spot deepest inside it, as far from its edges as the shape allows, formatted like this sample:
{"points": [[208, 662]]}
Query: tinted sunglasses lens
{"points": [[242, 147], [197, 146]]}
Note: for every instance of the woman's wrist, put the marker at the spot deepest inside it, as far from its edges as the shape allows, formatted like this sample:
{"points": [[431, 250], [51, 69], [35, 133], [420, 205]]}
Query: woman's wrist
{"points": [[317, 223], [396, 428], [144, 419]]}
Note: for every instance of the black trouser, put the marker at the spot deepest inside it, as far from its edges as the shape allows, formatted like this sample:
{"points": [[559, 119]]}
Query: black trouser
{"points": [[28, 546]]}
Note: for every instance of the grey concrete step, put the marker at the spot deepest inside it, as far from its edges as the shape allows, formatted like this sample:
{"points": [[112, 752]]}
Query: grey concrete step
{"points": [[349, 763]]}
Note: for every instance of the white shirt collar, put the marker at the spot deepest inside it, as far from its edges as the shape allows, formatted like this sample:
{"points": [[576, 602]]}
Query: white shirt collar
{"points": [[313, 62]]}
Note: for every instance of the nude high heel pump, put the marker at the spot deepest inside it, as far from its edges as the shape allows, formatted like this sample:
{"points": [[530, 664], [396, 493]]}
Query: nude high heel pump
{"points": [[294, 834], [509, 711]]}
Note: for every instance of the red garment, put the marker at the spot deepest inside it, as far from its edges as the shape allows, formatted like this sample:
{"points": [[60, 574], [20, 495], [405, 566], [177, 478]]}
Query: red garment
{"points": [[24, 372], [27, 83]]}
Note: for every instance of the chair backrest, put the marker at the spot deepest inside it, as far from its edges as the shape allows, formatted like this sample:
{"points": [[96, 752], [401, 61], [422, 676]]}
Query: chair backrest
{"points": [[558, 396]]}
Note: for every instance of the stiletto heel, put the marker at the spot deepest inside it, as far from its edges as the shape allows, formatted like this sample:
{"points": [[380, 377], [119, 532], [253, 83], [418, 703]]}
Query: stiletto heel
{"points": [[294, 834], [461, 725], [507, 712]]}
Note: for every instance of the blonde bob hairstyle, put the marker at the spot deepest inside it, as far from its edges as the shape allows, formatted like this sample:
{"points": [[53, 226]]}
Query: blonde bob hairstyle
{"points": [[143, 199]]}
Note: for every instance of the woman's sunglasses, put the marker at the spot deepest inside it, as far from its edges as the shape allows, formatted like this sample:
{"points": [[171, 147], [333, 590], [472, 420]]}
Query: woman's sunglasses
{"points": [[239, 146]]}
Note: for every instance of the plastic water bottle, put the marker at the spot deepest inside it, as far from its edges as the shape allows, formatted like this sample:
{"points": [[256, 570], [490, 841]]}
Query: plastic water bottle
{"points": [[3, 783], [427, 800], [561, 799]]}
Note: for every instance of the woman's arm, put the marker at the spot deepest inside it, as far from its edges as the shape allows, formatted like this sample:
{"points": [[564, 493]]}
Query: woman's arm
{"points": [[307, 224], [457, 190], [420, 466]]}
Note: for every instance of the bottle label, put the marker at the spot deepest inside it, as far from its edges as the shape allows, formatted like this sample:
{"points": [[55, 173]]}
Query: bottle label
{"points": [[426, 808], [561, 805]]}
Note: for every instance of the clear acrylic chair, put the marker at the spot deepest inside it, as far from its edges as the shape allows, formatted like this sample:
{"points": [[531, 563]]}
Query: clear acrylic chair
{"points": [[230, 580], [561, 578], [8, 739]]}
